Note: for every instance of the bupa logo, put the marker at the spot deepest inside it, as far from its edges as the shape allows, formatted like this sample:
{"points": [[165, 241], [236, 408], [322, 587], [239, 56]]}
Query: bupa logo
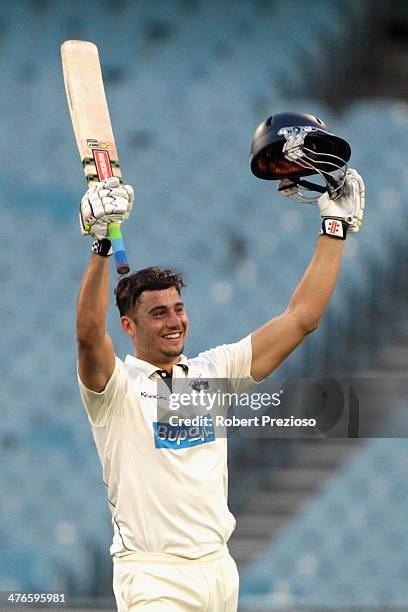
{"points": [[182, 436]]}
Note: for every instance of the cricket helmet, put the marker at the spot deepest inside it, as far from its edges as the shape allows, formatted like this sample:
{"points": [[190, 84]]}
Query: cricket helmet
{"points": [[296, 145]]}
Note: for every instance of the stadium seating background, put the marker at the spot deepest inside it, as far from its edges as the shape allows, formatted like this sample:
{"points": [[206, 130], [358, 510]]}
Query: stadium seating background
{"points": [[345, 548], [187, 84]]}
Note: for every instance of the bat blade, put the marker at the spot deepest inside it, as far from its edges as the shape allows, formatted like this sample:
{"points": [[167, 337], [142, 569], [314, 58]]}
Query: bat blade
{"points": [[92, 126]]}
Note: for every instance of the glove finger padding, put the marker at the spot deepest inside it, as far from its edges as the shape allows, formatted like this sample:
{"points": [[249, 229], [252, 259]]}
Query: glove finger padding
{"points": [[131, 199], [109, 183], [105, 203], [116, 192], [349, 205], [114, 206], [357, 194]]}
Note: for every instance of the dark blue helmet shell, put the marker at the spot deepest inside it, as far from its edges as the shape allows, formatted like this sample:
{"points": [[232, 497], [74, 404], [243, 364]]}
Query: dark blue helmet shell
{"points": [[268, 144]]}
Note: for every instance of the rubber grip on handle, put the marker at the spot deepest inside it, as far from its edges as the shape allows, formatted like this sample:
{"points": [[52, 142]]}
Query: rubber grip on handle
{"points": [[118, 246]]}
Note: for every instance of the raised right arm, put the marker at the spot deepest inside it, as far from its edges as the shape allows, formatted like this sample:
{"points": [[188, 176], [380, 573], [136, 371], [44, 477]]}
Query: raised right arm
{"points": [[95, 346], [107, 201]]}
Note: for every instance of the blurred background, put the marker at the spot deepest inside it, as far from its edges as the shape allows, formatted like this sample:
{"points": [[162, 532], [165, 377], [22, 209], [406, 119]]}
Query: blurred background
{"points": [[322, 522]]}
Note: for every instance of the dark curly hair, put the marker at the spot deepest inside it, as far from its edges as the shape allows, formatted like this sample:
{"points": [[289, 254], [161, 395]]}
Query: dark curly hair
{"points": [[129, 288]]}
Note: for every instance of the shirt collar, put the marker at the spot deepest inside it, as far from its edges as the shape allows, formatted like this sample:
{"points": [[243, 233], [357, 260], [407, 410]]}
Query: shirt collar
{"points": [[148, 368]]}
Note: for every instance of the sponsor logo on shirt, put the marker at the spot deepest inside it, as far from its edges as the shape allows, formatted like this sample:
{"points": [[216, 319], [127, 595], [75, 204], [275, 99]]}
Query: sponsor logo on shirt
{"points": [[152, 395], [182, 436], [198, 384]]}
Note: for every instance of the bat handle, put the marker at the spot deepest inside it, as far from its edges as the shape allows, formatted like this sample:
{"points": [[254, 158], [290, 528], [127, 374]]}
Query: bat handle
{"points": [[118, 246]]}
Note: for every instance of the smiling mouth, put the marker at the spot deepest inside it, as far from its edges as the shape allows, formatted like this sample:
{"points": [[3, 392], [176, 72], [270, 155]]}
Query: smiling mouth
{"points": [[173, 336]]}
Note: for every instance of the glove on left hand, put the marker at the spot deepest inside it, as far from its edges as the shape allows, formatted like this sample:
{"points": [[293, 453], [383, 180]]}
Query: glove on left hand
{"points": [[349, 205]]}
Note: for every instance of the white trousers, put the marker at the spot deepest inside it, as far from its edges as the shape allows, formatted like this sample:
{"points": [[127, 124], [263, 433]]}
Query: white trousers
{"points": [[161, 583]]}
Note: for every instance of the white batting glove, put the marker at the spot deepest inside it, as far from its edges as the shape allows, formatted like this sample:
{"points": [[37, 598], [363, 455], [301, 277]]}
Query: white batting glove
{"points": [[349, 205], [106, 202]]}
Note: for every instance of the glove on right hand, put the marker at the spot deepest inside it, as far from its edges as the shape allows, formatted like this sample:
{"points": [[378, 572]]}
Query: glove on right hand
{"points": [[104, 203]]}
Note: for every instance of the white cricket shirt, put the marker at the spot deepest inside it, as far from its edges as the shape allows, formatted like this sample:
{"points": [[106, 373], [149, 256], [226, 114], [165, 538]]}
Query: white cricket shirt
{"points": [[165, 496]]}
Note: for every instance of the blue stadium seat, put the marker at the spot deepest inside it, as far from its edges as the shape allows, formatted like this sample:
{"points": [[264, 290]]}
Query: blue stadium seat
{"points": [[356, 555]]}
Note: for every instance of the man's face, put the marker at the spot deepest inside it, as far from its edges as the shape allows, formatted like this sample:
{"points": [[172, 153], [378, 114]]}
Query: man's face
{"points": [[159, 327]]}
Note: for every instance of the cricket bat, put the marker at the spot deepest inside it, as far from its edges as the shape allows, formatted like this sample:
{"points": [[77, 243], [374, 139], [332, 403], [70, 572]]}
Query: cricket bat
{"points": [[92, 126]]}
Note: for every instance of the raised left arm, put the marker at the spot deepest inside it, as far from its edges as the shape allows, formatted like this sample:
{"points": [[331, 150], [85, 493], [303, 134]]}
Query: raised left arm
{"points": [[277, 338]]}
